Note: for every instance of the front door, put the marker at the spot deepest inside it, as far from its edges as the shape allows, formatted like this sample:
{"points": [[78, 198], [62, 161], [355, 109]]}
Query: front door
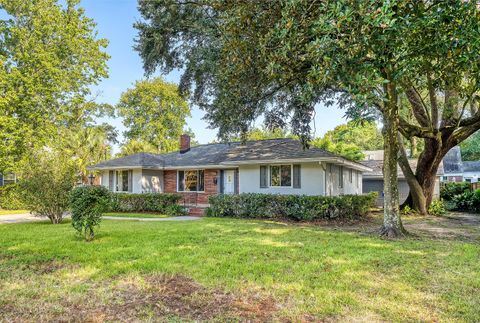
{"points": [[229, 182]]}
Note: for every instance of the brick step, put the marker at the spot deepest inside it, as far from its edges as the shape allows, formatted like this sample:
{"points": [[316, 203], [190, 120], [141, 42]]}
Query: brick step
{"points": [[196, 211]]}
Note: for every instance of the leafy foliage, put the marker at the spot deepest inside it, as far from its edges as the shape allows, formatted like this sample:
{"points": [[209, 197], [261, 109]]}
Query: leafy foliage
{"points": [[347, 150], [245, 59], [297, 207], [49, 58], [87, 204], [437, 208], [133, 146], [11, 197], [154, 113], [467, 201], [470, 148], [164, 203], [48, 177], [87, 145], [349, 140], [264, 133], [449, 190], [364, 135]]}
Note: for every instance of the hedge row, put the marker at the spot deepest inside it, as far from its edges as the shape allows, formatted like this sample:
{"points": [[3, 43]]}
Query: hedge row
{"points": [[147, 202], [297, 207], [10, 197]]}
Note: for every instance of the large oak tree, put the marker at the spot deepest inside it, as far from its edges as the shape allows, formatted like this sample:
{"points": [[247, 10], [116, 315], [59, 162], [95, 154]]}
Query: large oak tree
{"points": [[243, 59], [50, 56]]}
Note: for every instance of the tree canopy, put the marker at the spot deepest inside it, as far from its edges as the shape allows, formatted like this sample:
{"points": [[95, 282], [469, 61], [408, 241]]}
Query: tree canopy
{"points": [[154, 114], [49, 58], [470, 148], [279, 58]]}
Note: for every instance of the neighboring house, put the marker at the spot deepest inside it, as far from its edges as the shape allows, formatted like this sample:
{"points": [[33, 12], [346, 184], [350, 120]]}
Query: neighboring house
{"points": [[6, 179], [373, 180], [471, 171], [457, 170], [453, 166], [278, 166]]}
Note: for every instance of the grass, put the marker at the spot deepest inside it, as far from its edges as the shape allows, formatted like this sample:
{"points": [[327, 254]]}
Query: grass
{"points": [[298, 272], [8, 212], [137, 215]]}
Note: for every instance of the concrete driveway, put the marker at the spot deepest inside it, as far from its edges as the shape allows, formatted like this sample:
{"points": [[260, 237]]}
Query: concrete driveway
{"points": [[19, 218]]}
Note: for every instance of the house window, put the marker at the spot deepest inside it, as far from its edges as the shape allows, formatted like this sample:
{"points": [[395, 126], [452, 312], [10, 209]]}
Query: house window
{"points": [[191, 181], [358, 179], [340, 177], [281, 175], [9, 179], [122, 180], [350, 175]]}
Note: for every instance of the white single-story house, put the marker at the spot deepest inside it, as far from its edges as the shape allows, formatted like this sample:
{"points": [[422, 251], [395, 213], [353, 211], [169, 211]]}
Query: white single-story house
{"points": [[373, 179], [279, 166], [457, 170], [9, 178]]}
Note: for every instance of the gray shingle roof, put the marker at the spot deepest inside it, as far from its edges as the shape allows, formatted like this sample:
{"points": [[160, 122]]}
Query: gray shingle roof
{"points": [[452, 162], [471, 166], [216, 154], [377, 168], [144, 160]]}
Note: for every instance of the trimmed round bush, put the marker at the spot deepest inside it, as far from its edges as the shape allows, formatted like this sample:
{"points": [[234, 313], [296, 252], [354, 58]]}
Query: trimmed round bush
{"points": [[87, 204]]}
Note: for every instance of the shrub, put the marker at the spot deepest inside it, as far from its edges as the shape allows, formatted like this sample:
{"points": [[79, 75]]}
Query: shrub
{"points": [[407, 210], [48, 178], [437, 208], [468, 201], [449, 190], [87, 204], [10, 197], [297, 207], [165, 203]]}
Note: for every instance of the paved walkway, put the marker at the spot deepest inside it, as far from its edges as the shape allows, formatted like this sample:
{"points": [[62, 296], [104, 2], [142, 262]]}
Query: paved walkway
{"points": [[19, 218], [173, 218]]}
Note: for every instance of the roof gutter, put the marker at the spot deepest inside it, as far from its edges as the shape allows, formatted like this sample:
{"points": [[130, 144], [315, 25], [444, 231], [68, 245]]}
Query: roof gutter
{"points": [[334, 160]]}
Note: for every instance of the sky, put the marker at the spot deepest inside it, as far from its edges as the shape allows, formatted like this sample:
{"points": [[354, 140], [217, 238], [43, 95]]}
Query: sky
{"points": [[115, 19]]}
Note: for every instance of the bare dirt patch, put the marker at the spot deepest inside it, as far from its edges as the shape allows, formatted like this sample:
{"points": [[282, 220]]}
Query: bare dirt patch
{"points": [[157, 298]]}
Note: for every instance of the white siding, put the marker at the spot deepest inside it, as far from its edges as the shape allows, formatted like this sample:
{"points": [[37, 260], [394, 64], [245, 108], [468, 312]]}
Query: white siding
{"points": [[137, 181], [152, 181], [333, 181], [312, 181], [105, 179]]}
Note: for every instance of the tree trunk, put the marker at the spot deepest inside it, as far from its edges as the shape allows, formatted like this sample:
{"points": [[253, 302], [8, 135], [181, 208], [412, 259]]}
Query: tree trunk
{"points": [[426, 175], [392, 224], [416, 199], [413, 147]]}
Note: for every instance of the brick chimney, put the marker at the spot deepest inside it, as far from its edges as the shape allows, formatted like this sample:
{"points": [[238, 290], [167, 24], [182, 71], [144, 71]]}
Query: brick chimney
{"points": [[184, 143]]}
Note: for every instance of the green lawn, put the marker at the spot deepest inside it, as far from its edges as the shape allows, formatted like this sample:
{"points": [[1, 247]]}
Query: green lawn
{"points": [[8, 212], [228, 269], [137, 215]]}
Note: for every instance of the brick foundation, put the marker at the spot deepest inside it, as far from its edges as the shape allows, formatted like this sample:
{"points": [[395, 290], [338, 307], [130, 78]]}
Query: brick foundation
{"points": [[193, 198]]}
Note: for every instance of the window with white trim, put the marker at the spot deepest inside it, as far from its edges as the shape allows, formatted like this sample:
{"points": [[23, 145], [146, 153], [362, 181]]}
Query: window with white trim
{"points": [[350, 175], [191, 181], [281, 175], [9, 178], [122, 180]]}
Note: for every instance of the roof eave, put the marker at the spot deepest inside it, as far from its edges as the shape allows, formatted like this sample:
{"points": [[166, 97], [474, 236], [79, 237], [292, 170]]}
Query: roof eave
{"points": [[334, 160]]}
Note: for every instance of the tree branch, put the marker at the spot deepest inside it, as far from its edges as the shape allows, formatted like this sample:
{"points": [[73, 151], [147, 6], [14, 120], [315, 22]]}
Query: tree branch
{"points": [[417, 106]]}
